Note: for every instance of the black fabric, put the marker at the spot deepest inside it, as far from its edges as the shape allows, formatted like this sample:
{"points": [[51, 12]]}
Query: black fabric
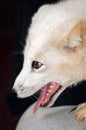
{"points": [[71, 96], [18, 105]]}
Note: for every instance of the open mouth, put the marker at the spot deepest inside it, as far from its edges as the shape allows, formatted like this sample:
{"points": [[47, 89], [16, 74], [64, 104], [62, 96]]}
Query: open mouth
{"points": [[46, 94]]}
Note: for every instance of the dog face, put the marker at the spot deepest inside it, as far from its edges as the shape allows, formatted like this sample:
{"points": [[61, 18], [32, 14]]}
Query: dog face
{"points": [[53, 54]]}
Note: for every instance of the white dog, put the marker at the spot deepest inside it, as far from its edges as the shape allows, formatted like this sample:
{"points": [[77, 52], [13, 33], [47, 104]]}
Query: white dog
{"points": [[55, 53]]}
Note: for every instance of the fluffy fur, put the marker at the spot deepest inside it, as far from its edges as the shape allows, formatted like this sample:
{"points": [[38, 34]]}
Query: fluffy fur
{"points": [[57, 39]]}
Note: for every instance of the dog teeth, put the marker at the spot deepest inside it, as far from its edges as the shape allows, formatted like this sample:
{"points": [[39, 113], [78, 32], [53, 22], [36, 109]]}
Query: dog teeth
{"points": [[47, 94], [51, 86], [49, 90]]}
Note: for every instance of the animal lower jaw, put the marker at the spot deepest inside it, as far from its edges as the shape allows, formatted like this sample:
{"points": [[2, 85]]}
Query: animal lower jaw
{"points": [[46, 94]]}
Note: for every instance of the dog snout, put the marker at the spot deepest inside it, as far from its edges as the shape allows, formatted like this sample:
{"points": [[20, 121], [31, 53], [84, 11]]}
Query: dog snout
{"points": [[19, 90], [13, 92]]}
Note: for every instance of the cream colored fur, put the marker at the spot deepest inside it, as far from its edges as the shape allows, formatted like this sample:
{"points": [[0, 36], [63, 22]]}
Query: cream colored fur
{"points": [[56, 38]]}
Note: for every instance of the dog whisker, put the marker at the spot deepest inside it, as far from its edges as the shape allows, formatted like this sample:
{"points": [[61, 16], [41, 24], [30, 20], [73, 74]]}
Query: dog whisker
{"points": [[17, 53], [15, 37], [27, 91], [35, 97]]}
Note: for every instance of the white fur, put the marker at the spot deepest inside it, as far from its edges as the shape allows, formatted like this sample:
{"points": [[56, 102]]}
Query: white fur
{"points": [[49, 19]]}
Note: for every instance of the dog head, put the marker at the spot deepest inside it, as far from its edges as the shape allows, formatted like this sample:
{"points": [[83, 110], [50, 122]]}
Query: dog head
{"points": [[54, 55]]}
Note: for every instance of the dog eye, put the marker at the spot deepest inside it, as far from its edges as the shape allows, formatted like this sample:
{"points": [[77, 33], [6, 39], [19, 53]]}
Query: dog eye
{"points": [[36, 65]]}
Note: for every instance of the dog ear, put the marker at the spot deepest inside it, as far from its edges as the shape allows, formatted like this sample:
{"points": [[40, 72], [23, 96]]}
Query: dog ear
{"points": [[77, 35]]}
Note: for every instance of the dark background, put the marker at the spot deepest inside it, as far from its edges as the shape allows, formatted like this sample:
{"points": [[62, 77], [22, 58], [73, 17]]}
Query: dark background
{"points": [[7, 27]]}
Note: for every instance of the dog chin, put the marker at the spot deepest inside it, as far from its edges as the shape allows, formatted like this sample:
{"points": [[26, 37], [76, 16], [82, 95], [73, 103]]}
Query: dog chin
{"points": [[22, 95]]}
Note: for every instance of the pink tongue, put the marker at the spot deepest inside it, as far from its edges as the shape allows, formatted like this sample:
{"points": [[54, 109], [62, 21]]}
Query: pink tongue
{"points": [[47, 91]]}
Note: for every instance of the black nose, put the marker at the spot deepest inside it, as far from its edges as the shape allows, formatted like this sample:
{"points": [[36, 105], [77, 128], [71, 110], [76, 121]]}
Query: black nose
{"points": [[13, 92]]}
